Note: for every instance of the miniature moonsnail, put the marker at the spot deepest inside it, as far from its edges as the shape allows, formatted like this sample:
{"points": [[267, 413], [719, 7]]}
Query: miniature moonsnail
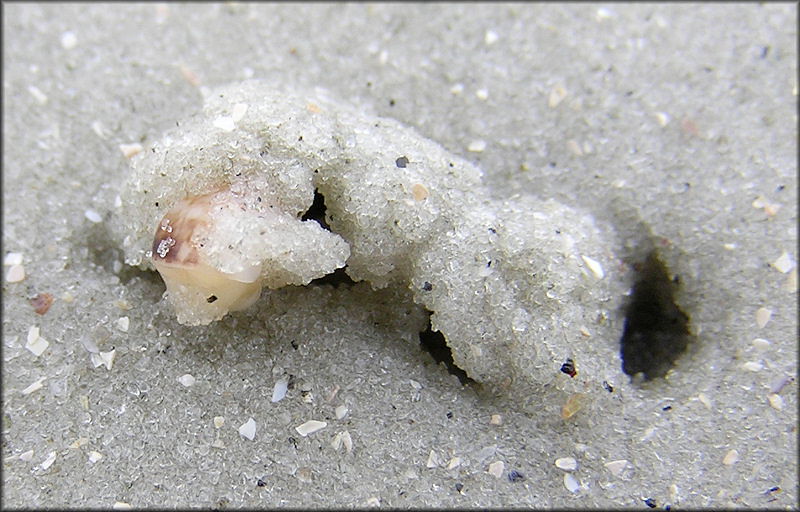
{"points": [[178, 256]]}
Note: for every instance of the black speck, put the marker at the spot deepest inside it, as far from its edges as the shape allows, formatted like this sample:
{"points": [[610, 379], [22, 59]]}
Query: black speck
{"points": [[666, 408], [211, 299], [552, 164], [261, 483], [493, 231], [156, 204], [650, 502], [294, 344], [515, 476], [427, 286], [449, 415], [401, 162], [765, 51], [391, 103], [452, 164], [459, 487], [569, 368], [608, 387], [300, 139]]}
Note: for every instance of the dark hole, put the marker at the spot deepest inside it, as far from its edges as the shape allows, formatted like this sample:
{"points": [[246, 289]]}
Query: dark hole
{"points": [[401, 162], [335, 278], [656, 331], [434, 343], [316, 211], [211, 299]]}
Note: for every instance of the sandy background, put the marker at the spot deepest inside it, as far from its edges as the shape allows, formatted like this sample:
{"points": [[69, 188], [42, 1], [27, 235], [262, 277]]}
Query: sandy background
{"points": [[681, 118]]}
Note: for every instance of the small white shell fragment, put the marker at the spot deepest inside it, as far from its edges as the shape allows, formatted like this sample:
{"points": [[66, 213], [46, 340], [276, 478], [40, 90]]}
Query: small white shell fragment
{"points": [[585, 331], [218, 421], [36, 386], [784, 263], [93, 216], [762, 316], [99, 129], [340, 412], [571, 483], [482, 94], [79, 443], [616, 466], [187, 380], [496, 419], [557, 95], [225, 123], [433, 460], [760, 344], [348, 441], [310, 426], [594, 266], [791, 281], [121, 505], [415, 384], [490, 38], [336, 442], [15, 274], [575, 147], [218, 444], [477, 146], [604, 13], [130, 149], [36, 344], [775, 401], [374, 502], [239, 111], [496, 468], [454, 463], [51, 458], [279, 391], [457, 89], [37, 94], [95, 456], [662, 118], [123, 323], [752, 366], [705, 400], [730, 458], [729, 247], [674, 493], [567, 463], [248, 429], [104, 358], [13, 258], [27, 456], [68, 40]]}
